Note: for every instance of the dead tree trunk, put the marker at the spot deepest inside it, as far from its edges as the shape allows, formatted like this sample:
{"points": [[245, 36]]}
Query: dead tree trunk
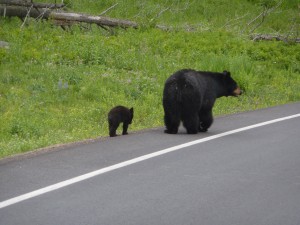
{"points": [[31, 4], [22, 12], [62, 18], [99, 20]]}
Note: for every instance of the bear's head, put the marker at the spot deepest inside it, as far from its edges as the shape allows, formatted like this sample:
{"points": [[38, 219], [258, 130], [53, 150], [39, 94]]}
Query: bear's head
{"points": [[232, 88]]}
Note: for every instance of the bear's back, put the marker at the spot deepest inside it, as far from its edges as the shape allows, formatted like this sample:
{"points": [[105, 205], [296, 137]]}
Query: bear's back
{"points": [[188, 80], [119, 113]]}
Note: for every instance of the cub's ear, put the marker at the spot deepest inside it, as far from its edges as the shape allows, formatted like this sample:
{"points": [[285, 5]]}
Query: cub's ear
{"points": [[226, 73], [131, 110]]}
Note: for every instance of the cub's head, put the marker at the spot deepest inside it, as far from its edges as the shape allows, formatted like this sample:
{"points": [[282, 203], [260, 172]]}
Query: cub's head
{"points": [[232, 88]]}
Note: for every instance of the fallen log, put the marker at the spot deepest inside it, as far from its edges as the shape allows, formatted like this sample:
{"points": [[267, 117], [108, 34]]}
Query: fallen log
{"points": [[268, 37], [22, 12], [99, 20], [31, 4], [64, 17]]}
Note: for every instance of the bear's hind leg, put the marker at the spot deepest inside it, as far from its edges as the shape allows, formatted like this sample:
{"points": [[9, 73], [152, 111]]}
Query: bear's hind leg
{"points": [[205, 121], [172, 123], [191, 122]]}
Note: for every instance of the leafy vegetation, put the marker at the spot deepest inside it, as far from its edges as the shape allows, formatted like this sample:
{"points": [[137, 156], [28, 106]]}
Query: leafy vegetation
{"points": [[57, 86]]}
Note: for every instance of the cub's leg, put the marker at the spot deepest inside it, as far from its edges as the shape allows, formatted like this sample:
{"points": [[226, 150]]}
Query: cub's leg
{"points": [[125, 127], [113, 128]]}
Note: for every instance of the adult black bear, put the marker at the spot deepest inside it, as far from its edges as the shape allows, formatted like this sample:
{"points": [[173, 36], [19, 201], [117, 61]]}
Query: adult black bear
{"points": [[117, 115], [189, 96]]}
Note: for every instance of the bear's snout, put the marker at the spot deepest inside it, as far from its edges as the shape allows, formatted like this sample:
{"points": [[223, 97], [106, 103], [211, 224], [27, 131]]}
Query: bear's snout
{"points": [[237, 92]]}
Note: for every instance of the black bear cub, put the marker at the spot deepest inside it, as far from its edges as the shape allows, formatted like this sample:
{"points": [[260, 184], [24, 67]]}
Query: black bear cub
{"points": [[117, 115], [189, 96]]}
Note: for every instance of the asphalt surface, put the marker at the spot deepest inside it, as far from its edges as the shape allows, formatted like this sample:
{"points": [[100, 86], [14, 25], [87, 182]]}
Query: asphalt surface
{"points": [[249, 177]]}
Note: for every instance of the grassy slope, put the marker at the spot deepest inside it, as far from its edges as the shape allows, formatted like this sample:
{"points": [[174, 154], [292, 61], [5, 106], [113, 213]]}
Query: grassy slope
{"points": [[58, 86]]}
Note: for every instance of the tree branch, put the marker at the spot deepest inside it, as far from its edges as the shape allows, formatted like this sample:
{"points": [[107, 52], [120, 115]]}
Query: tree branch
{"points": [[28, 12], [105, 11], [263, 14]]}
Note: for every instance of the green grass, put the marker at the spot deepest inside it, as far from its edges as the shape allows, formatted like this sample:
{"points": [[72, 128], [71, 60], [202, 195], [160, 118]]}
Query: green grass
{"points": [[57, 86]]}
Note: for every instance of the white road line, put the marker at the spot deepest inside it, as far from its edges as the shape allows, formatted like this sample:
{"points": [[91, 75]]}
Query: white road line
{"points": [[132, 161]]}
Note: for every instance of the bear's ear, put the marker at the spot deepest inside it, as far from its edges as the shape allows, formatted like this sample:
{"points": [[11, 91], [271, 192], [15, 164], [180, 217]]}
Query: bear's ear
{"points": [[131, 110], [226, 73]]}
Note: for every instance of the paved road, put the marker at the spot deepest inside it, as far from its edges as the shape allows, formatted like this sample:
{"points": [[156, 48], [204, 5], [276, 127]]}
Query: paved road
{"points": [[249, 176]]}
